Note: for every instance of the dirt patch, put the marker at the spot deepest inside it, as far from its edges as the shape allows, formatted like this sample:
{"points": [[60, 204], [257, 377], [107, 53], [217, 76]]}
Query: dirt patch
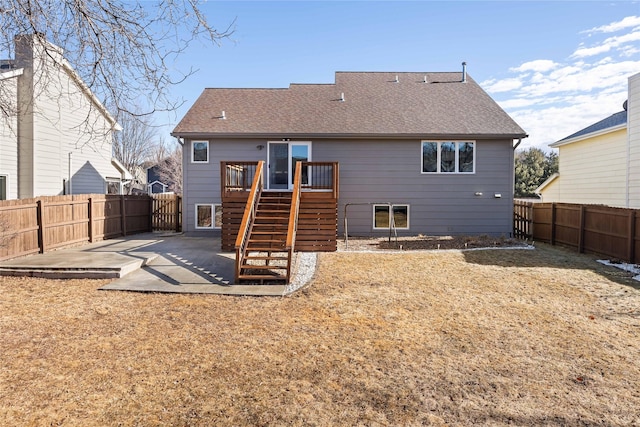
{"points": [[509, 337], [413, 243]]}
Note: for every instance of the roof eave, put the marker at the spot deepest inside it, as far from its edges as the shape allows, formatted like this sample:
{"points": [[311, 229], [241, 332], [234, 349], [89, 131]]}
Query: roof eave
{"points": [[548, 181], [600, 132], [234, 135]]}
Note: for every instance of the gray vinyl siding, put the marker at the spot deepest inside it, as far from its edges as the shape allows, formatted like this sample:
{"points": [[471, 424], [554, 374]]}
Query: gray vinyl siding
{"points": [[440, 204], [201, 181], [385, 171]]}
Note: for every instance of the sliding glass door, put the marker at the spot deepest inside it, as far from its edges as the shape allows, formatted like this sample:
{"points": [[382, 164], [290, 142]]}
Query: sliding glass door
{"points": [[282, 158]]}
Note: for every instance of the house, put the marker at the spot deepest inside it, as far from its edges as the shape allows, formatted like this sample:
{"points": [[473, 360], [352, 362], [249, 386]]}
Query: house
{"points": [[55, 135], [419, 153], [155, 185], [600, 164]]}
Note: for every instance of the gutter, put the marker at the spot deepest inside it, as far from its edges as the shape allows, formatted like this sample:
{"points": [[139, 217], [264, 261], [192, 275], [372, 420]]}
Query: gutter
{"points": [[275, 136]]}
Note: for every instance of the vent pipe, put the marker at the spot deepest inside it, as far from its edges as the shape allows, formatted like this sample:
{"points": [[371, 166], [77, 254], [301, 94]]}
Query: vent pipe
{"points": [[342, 97], [223, 116], [424, 80], [396, 80], [464, 72]]}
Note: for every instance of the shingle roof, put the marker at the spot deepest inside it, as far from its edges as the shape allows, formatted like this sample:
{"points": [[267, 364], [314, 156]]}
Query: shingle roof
{"points": [[374, 104], [613, 120]]}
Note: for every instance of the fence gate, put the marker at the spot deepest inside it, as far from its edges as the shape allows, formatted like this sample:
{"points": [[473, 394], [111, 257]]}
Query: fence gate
{"points": [[166, 212]]}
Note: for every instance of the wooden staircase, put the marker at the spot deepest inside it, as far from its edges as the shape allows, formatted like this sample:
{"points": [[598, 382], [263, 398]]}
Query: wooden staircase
{"points": [[266, 258]]}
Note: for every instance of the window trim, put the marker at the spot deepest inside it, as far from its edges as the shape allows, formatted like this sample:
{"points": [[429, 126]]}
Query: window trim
{"points": [[214, 208], [439, 143], [193, 145], [389, 211]]}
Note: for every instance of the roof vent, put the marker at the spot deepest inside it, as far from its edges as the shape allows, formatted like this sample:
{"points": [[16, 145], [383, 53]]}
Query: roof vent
{"points": [[464, 72], [341, 97], [424, 79], [396, 80], [223, 116]]}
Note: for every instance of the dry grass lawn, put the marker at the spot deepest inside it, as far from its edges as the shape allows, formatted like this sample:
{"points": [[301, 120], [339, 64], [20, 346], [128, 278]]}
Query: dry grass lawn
{"points": [[503, 337]]}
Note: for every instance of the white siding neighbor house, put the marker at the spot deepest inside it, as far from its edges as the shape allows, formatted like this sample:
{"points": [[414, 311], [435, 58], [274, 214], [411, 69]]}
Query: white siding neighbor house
{"points": [[56, 137], [600, 164]]}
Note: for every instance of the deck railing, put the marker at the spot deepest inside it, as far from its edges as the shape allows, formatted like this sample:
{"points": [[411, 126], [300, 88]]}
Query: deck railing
{"points": [[237, 176], [249, 214], [320, 176]]}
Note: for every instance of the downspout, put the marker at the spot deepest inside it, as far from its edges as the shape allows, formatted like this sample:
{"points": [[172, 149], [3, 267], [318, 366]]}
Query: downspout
{"points": [[627, 199], [517, 144], [513, 185], [69, 181]]}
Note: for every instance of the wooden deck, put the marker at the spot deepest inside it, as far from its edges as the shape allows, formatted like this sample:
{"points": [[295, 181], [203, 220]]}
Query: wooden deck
{"points": [[318, 212], [265, 228]]}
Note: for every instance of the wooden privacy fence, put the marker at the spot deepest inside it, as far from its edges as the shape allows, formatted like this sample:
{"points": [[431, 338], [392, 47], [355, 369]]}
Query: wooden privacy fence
{"points": [[613, 232], [29, 226], [166, 213]]}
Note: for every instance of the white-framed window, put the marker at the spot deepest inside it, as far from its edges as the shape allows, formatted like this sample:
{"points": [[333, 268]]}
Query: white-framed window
{"points": [[199, 151], [448, 157], [208, 216], [382, 217]]}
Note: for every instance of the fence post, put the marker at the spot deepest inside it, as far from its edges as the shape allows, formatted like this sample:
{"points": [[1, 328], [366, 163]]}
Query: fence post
{"points": [[40, 220], [90, 208], [177, 212], [553, 224], [150, 198], [123, 217], [631, 248], [581, 230]]}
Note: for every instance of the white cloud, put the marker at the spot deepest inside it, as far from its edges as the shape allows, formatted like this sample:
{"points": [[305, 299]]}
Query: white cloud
{"points": [[607, 45], [540, 65], [505, 85], [627, 22], [548, 125], [552, 99]]}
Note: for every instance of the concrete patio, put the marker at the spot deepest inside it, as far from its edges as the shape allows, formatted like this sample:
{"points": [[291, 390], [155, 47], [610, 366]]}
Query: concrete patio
{"points": [[149, 262]]}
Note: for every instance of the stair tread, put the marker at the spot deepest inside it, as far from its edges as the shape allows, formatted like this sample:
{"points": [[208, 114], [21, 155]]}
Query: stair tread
{"points": [[264, 249], [274, 233], [261, 277], [266, 258], [263, 267]]}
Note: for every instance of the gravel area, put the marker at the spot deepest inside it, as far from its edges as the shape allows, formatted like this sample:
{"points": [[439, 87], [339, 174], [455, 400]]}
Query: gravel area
{"points": [[420, 242], [304, 269]]}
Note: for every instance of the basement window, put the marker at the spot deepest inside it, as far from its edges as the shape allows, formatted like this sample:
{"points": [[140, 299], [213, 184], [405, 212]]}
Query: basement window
{"points": [[208, 216], [448, 157], [200, 152], [382, 216]]}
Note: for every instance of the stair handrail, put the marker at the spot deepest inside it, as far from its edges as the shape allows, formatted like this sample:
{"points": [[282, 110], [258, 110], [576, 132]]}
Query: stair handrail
{"points": [[295, 207], [248, 216], [293, 217]]}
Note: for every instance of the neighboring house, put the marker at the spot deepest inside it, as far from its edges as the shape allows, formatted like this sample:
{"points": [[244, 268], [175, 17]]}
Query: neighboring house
{"points": [[155, 184], [56, 136], [431, 150], [600, 164]]}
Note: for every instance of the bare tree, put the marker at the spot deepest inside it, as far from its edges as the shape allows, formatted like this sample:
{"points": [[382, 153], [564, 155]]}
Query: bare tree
{"points": [[168, 161], [124, 51], [135, 144]]}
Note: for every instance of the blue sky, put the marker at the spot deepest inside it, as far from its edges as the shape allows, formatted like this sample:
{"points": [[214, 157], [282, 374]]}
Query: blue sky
{"points": [[555, 67]]}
